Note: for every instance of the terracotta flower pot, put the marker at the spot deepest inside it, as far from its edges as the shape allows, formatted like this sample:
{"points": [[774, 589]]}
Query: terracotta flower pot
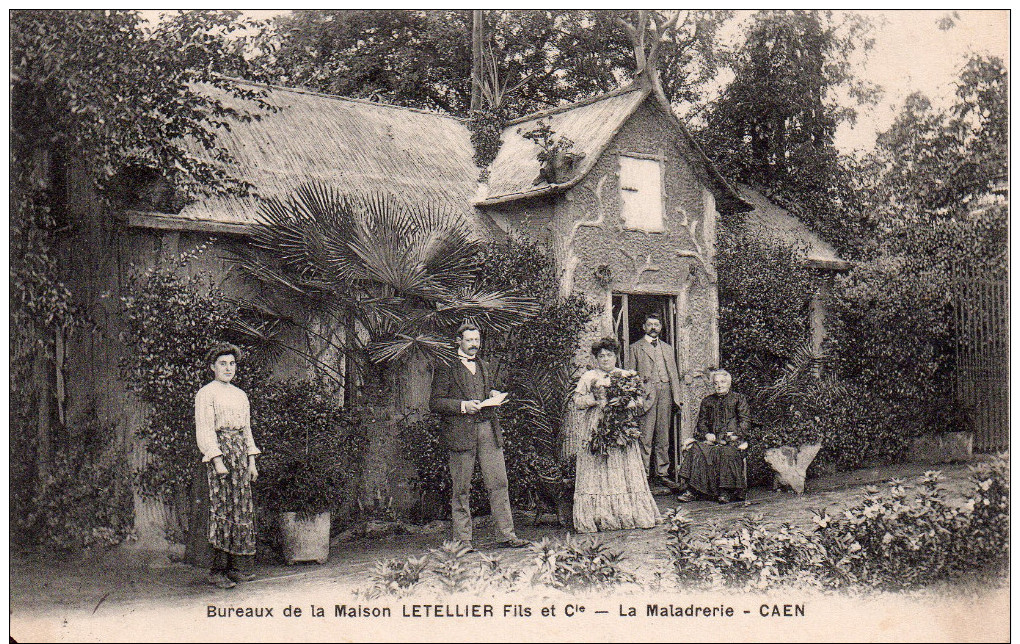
{"points": [[305, 539]]}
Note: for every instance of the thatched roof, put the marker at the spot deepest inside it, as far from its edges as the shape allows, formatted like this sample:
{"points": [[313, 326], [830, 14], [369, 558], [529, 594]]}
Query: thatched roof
{"points": [[360, 147], [591, 125], [776, 225], [357, 146]]}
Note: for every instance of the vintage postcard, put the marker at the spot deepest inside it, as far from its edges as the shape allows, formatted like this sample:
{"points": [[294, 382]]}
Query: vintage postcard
{"points": [[528, 325]]}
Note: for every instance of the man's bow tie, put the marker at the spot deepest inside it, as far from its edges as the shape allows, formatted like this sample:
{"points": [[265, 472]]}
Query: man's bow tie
{"points": [[655, 343], [465, 359]]}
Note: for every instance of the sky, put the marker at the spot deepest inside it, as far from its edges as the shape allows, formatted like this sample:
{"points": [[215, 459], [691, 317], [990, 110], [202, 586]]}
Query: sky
{"points": [[911, 54]]}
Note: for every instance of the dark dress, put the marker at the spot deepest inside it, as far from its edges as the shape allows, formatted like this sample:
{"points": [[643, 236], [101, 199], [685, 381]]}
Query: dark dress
{"points": [[711, 469]]}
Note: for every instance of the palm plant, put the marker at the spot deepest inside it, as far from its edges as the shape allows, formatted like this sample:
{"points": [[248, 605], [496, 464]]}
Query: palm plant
{"points": [[803, 378], [379, 281], [375, 279]]}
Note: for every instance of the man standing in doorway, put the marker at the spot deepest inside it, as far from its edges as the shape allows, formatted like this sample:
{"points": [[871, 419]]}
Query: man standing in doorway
{"points": [[655, 361], [472, 431]]}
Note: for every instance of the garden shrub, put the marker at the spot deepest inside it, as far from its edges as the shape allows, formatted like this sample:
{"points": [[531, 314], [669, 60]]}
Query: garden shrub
{"points": [[85, 500], [312, 455], [396, 576], [764, 293], [449, 569], [909, 536], [748, 555], [903, 536], [172, 320], [312, 447], [577, 565]]}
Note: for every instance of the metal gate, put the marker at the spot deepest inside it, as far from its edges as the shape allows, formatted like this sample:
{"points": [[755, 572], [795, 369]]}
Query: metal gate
{"points": [[982, 356]]}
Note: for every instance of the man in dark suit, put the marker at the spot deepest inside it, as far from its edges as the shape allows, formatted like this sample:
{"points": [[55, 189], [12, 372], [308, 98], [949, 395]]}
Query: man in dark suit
{"points": [[655, 361], [469, 431]]}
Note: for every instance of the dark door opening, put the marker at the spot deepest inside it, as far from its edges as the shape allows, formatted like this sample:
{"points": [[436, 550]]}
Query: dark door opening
{"points": [[629, 312]]}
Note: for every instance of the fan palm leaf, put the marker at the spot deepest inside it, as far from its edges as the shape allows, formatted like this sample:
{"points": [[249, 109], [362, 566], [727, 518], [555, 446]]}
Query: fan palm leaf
{"points": [[404, 272]]}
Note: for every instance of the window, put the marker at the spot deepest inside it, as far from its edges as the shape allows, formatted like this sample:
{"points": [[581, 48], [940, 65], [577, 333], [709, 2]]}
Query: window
{"points": [[641, 194]]}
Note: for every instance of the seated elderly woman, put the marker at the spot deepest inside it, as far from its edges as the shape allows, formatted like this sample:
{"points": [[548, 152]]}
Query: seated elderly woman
{"points": [[713, 465]]}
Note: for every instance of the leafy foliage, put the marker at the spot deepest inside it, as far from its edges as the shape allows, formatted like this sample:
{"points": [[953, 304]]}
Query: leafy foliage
{"points": [[84, 501], [618, 426], [313, 448], [747, 555], [764, 294], [396, 576], [486, 127], [99, 94], [902, 537], [554, 154], [395, 278], [577, 565], [107, 85], [933, 177], [452, 568], [908, 536], [172, 320], [423, 58]]}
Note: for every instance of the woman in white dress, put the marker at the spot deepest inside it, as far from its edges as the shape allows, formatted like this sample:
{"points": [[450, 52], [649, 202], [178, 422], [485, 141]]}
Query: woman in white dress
{"points": [[610, 491]]}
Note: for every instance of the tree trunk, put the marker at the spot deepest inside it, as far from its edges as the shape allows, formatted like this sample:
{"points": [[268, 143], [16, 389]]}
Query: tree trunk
{"points": [[478, 25], [44, 418], [388, 474]]}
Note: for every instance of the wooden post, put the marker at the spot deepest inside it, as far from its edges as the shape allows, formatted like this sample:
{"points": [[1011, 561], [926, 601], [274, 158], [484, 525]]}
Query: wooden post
{"points": [[44, 420], [477, 34]]}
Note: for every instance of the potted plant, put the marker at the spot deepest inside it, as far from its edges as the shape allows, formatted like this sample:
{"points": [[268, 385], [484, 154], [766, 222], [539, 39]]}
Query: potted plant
{"points": [[312, 451], [303, 490]]}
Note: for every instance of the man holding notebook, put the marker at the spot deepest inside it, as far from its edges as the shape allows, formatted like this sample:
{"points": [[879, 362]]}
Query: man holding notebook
{"points": [[463, 394]]}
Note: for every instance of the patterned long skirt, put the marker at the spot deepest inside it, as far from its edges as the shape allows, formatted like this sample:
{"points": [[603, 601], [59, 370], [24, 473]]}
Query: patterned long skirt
{"points": [[231, 509], [610, 492]]}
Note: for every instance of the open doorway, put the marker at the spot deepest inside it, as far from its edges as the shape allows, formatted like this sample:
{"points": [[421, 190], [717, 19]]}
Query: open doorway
{"points": [[629, 312]]}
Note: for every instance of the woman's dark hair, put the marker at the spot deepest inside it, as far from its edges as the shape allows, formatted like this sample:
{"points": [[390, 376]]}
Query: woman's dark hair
{"points": [[607, 343], [222, 349]]}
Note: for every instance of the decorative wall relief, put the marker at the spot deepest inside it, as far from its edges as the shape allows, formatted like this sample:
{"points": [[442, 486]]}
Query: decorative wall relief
{"points": [[570, 258], [699, 253], [638, 270]]}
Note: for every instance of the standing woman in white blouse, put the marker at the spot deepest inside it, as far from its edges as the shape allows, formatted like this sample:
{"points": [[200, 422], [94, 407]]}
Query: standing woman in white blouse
{"points": [[223, 433]]}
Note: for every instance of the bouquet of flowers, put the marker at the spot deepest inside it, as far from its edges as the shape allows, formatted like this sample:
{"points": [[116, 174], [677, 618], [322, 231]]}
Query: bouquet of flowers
{"points": [[618, 426]]}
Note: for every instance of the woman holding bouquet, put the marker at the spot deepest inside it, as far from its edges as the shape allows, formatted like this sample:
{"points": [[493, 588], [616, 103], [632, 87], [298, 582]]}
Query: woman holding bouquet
{"points": [[611, 490]]}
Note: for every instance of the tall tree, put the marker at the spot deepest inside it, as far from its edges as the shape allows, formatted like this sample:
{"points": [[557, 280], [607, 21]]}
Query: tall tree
{"points": [[423, 58], [934, 161], [932, 186], [775, 123]]}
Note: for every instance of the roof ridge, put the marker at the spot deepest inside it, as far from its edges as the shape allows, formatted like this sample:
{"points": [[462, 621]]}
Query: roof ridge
{"points": [[336, 97], [632, 87]]}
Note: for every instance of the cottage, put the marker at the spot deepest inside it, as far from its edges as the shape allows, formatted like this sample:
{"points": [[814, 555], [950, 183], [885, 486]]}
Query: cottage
{"points": [[630, 219]]}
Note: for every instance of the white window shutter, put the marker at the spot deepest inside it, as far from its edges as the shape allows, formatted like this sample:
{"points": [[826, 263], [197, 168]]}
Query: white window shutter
{"points": [[641, 194]]}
